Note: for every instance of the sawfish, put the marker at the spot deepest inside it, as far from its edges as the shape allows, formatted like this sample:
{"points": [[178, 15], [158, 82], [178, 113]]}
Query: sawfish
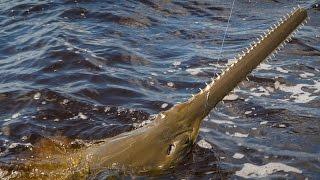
{"points": [[162, 144]]}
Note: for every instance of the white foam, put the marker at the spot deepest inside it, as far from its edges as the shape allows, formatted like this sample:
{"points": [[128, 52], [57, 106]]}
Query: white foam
{"points": [[261, 91], [14, 145], [265, 66], [254, 171], [231, 97], [237, 134], [170, 84], [194, 71], [204, 144], [65, 101], [37, 96], [176, 63], [107, 109], [281, 70], [221, 121], [205, 130], [82, 116], [282, 126], [164, 105], [154, 74], [263, 122], [143, 123], [277, 85], [15, 115], [298, 94], [238, 156], [270, 89], [306, 75]]}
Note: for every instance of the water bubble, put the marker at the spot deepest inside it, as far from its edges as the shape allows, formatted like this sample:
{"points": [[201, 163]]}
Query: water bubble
{"points": [[176, 63], [263, 122], [82, 116], [238, 156], [15, 115], [37, 96], [65, 101], [170, 84], [204, 144], [164, 105]]}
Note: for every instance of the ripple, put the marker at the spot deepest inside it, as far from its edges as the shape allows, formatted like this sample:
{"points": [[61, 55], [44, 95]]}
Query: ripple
{"points": [[86, 70]]}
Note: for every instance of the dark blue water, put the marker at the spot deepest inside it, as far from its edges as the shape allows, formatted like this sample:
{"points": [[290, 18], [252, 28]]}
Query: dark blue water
{"points": [[88, 70]]}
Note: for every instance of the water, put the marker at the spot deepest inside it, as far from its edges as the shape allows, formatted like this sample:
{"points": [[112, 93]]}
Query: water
{"points": [[93, 69]]}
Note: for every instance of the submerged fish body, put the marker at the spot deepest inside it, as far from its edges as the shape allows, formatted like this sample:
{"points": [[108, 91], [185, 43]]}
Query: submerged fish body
{"points": [[168, 139]]}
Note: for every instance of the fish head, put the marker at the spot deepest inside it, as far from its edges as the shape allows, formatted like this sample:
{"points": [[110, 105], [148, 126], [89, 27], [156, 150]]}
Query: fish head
{"points": [[176, 130]]}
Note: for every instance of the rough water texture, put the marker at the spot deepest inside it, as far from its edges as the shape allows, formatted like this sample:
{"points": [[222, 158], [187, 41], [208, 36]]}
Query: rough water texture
{"points": [[88, 70]]}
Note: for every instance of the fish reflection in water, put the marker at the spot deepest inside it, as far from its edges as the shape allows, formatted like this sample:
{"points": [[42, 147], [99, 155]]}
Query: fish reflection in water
{"points": [[91, 70]]}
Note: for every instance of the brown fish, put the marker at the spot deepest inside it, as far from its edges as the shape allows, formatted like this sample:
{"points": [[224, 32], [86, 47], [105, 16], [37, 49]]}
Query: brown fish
{"points": [[162, 144]]}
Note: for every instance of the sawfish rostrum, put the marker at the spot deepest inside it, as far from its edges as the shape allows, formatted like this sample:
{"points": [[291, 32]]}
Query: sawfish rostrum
{"points": [[161, 144]]}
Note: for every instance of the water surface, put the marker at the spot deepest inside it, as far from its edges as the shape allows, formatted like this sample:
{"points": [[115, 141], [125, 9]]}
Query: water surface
{"points": [[93, 69]]}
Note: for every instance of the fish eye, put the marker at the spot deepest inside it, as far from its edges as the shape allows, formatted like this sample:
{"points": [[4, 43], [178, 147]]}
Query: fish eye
{"points": [[170, 149]]}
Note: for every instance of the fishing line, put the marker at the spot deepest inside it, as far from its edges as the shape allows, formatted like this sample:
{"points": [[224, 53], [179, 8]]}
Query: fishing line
{"points": [[220, 55], [225, 32]]}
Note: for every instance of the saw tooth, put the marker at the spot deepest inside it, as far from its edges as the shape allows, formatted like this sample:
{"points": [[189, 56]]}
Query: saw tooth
{"points": [[271, 30], [288, 15], [279, 23]]}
